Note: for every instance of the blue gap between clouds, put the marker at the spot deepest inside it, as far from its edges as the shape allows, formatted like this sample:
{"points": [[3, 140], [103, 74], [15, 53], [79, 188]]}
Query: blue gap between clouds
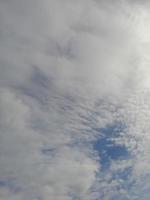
{"points": [[106, 148], [109, 151]]}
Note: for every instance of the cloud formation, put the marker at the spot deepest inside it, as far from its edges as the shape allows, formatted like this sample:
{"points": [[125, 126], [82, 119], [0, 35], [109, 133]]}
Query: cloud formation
{"points": [[73, 73]]}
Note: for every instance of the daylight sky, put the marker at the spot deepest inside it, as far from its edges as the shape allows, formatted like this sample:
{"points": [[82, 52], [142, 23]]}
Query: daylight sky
{"points": [[74, 100]]}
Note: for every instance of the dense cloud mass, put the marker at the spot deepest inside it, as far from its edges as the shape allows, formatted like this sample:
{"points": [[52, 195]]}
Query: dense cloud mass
{"points": [[74, 100]]}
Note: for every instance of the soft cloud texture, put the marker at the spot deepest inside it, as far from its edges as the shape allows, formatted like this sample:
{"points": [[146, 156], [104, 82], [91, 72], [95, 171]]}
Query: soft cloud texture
{"points": [[73, 73]]}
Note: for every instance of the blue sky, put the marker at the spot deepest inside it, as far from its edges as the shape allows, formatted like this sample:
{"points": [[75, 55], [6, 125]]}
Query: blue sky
{"points": [[74, 100]]}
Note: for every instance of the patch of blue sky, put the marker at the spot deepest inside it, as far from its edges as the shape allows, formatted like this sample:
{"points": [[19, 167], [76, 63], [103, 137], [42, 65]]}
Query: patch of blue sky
{"points": [[109, 151], [123, 174], [106, 147], [112, 129]]}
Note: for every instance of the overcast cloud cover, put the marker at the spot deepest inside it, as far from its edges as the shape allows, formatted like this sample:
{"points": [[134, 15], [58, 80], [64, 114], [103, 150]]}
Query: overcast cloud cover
{"points": [[74, 100]]}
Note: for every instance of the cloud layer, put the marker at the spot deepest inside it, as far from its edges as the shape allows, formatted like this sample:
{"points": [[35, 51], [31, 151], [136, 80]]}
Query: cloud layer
{"points": [[74, 74]]}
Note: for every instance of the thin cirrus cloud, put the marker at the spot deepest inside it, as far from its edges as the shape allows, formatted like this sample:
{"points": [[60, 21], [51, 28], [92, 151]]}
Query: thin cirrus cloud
{"points": [[74, 103]]}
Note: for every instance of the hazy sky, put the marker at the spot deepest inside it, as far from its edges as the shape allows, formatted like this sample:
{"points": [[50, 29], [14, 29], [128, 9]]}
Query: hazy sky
{"points": [[74, 100]]}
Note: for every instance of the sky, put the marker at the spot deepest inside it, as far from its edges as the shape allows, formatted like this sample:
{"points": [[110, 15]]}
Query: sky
{"points": [[74, 100]]}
